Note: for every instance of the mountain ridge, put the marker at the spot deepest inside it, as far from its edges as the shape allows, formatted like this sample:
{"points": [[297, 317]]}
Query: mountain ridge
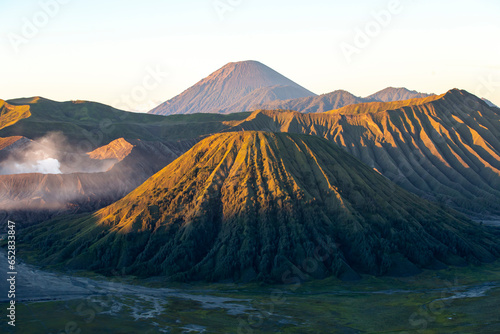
{"points": [[447, 150], [339, 99], [313, 104], [391, 94]]}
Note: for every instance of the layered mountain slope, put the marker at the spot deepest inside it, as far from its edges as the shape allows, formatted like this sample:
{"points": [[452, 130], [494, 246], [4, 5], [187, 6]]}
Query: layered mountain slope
{"points": [[447, 149], [313, 104], [254, 205], [391, 94], [233, 88]]}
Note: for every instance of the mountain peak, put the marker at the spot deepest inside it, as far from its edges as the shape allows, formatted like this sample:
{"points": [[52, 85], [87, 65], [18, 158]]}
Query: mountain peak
{"points": [[313, 104], [462, 94], [391, 94], [248, 205], [118, 149], [244, 62], [374, 107], [232, 88]]}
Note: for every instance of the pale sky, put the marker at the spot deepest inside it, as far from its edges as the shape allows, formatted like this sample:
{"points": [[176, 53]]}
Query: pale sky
{"points": [[136, 54]]}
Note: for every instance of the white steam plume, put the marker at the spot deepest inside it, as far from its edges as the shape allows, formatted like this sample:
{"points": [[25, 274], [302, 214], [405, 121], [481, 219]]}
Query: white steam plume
{"points": [[39, 156], [45, 166]]}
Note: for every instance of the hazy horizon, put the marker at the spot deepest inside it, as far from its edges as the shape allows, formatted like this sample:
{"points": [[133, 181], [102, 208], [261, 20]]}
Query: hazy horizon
{"points": [[66, 50]]}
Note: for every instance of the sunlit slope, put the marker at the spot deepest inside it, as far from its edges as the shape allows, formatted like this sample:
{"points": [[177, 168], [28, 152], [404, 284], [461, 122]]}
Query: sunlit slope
{"points": [[118, 149], [91, 125], [10, 114], [447, 150], [250, 205]]}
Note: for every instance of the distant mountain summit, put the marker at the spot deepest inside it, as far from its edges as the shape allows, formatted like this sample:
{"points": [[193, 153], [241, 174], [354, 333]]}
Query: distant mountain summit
{"points": [[489, 103], [233, 88], [313, 104], [391, 94], [338, 99]]}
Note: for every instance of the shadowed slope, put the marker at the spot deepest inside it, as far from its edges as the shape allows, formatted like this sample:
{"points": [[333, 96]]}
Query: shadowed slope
{"points": [[252, 205], [444, 148]]}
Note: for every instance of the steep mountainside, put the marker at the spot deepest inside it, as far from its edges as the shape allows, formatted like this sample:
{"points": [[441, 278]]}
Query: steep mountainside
{"points": [[391, 94], [313, 104], [445, 148], [254, 205], [233, 88]]}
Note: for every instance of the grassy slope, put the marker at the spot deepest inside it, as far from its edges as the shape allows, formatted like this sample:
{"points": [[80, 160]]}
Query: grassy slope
{"points": [[95, 124]]}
